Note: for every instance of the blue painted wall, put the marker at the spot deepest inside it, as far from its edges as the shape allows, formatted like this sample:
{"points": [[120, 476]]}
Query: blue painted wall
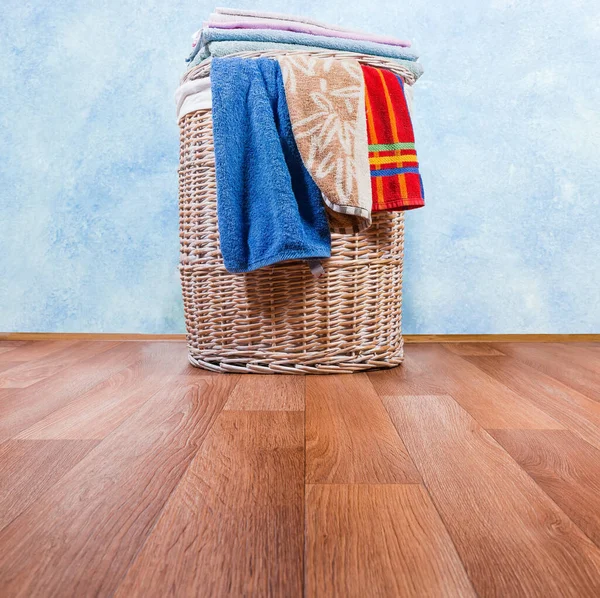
{"points": [[507, 122]]}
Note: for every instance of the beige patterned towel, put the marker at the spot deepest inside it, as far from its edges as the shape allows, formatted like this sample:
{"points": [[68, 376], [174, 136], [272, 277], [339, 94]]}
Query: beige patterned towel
{"points": [[326, 102]]}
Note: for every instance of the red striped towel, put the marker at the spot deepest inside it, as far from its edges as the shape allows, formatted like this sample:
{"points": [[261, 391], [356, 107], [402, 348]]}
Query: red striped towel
{"points": [[395, 179]]}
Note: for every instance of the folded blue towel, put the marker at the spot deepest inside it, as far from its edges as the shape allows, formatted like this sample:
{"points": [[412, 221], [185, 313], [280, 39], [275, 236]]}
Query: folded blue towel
{"points": [[269, 208], [414, 68], [306, 39]]}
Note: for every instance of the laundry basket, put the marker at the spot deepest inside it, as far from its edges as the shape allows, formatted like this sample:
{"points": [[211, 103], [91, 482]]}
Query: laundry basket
{"points": [[280, 319]]}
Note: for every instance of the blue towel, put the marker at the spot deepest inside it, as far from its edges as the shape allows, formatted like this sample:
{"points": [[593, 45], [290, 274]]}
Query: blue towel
{"points": [[269, 208], [415, 69], [306, 39]]}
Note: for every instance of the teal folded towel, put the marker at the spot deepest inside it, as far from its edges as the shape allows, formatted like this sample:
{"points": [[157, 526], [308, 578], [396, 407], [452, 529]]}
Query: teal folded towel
{"points": [[269, 209], [306, 39], [233, 47]]}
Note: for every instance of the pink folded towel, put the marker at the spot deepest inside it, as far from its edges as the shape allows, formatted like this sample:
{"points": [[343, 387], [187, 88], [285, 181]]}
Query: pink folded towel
{"points": [[237, 15], [240, 12], [281, 25]]}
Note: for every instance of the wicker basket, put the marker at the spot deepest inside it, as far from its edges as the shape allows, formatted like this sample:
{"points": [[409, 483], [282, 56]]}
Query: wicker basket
{"points": [[280, 319]]}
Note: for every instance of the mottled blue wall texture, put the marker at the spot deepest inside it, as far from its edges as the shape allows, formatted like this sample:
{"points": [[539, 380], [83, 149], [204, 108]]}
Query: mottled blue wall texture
{"points": [[507, 121]]}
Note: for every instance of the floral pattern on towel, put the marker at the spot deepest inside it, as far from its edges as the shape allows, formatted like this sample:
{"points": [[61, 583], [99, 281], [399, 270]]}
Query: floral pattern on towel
{"points": [[325, 98]]}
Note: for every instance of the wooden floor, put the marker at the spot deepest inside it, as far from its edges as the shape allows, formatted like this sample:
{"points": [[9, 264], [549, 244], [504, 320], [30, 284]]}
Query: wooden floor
{"points": [[473, 469]]}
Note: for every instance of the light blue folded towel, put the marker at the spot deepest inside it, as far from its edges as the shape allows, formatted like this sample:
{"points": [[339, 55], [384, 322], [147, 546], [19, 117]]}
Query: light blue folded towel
{"points": [[306, 39], [232, 47], [269, 208]]}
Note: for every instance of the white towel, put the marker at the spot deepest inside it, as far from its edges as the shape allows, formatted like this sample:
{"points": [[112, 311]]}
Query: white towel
{"points": [[192, 96]]}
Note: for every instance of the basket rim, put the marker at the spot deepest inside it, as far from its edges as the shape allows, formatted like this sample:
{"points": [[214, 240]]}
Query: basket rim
{"points": [[202, 70]]}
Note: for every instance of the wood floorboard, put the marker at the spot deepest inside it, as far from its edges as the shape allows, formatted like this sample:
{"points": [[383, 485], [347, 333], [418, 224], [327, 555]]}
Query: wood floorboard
{"points": [[235, 525], [583, 356], [565, 467], [96, 413], [565, 367], [29, 467], [27, 374], [268, 393], [511, 537], [80, 538], [591, 348], [32, 351], [8, 365], [472, 348], [573, 410], [127, 472], [379, 540], [6, 346], [411, 378], [432, 370], [592, 351], [350, 438], [20, 408]]}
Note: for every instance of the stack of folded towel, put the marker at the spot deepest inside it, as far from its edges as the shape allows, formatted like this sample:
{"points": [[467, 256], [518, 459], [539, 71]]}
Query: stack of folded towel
{"points": [[305, 142]]}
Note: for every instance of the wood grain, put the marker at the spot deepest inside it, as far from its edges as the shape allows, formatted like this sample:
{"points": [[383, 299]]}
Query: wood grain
{"points": [[10, 345], [33, 351], [79, 538], [512, 539], [572, 409], [592, 350], [378, 540], [121, 473], [29, 467], [565, 367], [20, 408], [101, 409], [411, 378], [268, 393], [349, 435], [472, 348], [582, 355], [234, 526], [565, 467], [31, 372], [437, 371], [8, 365]]}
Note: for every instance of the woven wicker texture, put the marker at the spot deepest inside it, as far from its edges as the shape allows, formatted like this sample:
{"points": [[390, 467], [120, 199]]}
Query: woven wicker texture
{"points": [[280, 319]]}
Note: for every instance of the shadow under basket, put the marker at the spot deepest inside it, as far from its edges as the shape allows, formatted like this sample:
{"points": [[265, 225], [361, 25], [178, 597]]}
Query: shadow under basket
{"points": [[280, 319]]}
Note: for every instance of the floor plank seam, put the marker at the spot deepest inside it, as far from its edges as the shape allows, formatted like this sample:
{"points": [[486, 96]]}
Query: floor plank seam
{"points": [[68, 402], [101, 440], [560, 403], [536, 366], [304, 522], [447, 519], [171, 494], [111, 346], [525, 399], [597, 544], [55, 482], [582, 438], [430, 495], [364, 483], [395, 428]]}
